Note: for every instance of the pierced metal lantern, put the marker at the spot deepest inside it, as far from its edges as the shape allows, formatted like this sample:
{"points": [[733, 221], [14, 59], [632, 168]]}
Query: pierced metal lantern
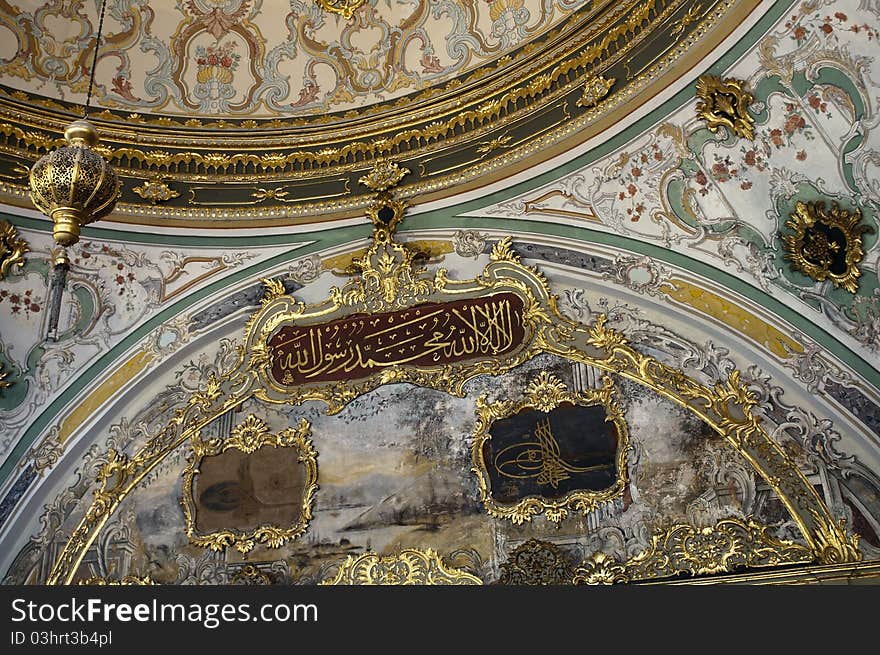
{"points": [[74, 185]]}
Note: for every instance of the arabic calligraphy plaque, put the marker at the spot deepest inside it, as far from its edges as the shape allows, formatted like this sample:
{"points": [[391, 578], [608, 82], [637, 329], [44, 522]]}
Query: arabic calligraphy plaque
{"points": [[431, 334], [551, 454]]}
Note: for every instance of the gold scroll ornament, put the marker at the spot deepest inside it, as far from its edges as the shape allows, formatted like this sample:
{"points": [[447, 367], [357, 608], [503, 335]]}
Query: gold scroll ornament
{"points": [[826, 244], [409, 567], [12, 249]]}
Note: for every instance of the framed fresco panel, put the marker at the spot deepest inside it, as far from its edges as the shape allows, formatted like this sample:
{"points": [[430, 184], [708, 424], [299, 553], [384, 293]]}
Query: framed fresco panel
{"points": [[253, 487]]}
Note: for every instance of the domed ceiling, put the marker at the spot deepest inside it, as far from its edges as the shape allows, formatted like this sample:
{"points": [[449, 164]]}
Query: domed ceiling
{"points": [[233, 105]]}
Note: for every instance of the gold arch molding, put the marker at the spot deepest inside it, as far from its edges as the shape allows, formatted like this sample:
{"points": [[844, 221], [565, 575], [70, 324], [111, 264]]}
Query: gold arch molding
{"points": [[521, 321]]}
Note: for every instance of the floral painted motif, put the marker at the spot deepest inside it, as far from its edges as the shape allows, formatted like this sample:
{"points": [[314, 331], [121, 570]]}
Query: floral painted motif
{"points": [[25, 303], [215, 76]]}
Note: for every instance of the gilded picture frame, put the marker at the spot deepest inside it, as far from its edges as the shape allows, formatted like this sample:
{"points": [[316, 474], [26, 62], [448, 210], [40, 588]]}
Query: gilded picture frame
{"points": [[545, 394], [249, 437]]}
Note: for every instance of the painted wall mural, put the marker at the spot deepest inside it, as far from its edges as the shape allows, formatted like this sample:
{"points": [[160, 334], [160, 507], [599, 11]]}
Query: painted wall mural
{"points": [[241, 58], [114, 288]]}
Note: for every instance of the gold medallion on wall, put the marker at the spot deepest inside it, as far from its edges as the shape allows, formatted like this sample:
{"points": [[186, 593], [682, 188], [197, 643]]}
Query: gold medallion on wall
{"points": [[550, 453], [826, 244], [254, 487]]}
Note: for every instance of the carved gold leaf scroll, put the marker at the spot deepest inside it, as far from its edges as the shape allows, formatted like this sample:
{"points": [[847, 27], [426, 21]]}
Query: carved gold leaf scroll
{"points": [[826, 244], [729, 545], [12, 249], [545, 394], [595, 89], [248, 437], [727, 405], [344, 8], [156, 190], [410, 567], [725, 103]]}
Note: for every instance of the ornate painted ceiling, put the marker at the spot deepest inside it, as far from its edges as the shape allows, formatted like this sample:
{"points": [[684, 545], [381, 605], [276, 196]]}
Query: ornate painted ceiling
{"points": [[305, 108], [575, 129]]}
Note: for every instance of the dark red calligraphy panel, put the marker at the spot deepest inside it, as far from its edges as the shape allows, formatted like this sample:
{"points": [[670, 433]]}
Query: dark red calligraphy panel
{"points": [[432, 334]]}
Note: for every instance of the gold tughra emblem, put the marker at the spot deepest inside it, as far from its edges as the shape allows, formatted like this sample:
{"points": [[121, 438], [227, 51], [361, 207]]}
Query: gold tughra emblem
{"points": [[539, 459]]}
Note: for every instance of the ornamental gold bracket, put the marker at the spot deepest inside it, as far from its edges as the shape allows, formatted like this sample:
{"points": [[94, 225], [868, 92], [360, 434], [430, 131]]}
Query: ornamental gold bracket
{"points": [[826, 244], [399, 323], [725, 103], [249, 437], [12, 249], [539, 454]]}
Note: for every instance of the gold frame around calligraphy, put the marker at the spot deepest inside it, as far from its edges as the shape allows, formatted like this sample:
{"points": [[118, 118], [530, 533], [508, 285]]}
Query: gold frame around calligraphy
{"points": [[547, 393], [389, 280], [249, 436]]}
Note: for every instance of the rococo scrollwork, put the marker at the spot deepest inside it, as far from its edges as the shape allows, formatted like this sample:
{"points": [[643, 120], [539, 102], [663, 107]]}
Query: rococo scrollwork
{"points": [[409, 567], [537, 455], [484, 326], [248, 437], [681, 550], [536, 562], [12, 249], [725, 103], [826, 244]]}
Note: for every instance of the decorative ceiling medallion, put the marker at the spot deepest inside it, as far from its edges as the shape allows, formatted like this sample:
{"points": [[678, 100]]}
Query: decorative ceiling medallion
{"points": [[826, 244], [156, 190], [251, 488], [595, 89], [725, 103], [410, 567], [536, 562], [344, 8], [12, 249], [552, 452]]}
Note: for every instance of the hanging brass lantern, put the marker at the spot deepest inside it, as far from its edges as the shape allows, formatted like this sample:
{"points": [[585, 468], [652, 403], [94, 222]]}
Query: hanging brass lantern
{"points": [[74, 185]]}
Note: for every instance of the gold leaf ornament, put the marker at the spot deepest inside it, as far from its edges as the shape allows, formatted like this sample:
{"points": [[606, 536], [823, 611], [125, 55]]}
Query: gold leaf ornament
{"points": [[724, 103]]}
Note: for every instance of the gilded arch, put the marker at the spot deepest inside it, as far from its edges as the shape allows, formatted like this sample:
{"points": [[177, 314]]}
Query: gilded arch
{"points": [[391, 282]]}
